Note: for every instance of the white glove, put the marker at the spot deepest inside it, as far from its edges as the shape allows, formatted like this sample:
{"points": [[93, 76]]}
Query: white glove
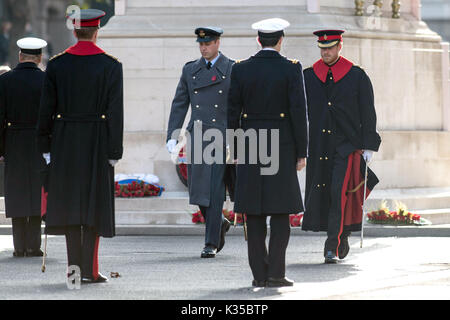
{"points": [[46, 157], [113, 162], [171, 145], [367, 155]]}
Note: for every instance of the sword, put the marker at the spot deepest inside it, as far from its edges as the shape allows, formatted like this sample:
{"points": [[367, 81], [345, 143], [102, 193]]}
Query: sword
{"points": [[245, 227], [45, 254], [364, 206]]}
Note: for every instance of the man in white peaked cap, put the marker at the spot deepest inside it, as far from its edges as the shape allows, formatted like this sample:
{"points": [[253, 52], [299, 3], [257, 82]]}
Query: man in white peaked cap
{"points": [[267, 93], [20, 95]]}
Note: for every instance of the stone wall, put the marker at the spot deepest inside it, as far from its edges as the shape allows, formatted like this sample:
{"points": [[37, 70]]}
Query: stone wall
{"points": [[403, 57]]}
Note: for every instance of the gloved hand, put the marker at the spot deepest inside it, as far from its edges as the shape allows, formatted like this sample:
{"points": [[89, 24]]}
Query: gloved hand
{"points": [[46, 157], [367, 155], [171, 145], [113, 162]]}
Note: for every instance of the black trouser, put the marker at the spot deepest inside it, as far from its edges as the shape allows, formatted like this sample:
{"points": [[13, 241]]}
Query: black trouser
{"points": [[213, 214], [82, 249], [335, 220], [268, 264], [26, 233]]}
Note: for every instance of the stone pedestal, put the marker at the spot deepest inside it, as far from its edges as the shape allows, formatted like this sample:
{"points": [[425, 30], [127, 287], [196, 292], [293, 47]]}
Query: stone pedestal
{"points": [[403, 57]]}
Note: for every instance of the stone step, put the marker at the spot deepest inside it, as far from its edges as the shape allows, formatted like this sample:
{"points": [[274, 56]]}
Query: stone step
{"points": [[414, 198], [174, 208], [435, 216], [199, 230]]}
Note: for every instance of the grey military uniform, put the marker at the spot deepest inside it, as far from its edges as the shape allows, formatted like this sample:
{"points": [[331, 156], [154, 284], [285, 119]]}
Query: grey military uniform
{"points": [[206, 91]]}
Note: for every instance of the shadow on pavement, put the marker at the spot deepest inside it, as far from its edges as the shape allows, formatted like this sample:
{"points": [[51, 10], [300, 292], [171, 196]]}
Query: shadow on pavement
{"points": [[320, 272]]}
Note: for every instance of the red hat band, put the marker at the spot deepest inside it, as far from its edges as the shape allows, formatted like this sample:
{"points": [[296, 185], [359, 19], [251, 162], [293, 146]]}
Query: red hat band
{"points": [[330, 38], [90, 23]]}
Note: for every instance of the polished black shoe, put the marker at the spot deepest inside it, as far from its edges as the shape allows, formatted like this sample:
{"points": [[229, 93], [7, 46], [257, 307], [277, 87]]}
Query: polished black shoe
{"points": [[34, 253], [225, 227], [19, 254], [330, 258], [209, 252], [281, 282], [259, 283], [344, 248], [100, 278]]}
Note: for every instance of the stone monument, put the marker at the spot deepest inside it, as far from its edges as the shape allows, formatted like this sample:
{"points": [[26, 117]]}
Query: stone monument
{"points": [[407, 62]]}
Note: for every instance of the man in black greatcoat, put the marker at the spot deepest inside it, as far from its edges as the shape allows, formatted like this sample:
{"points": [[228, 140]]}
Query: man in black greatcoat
{"points": [[20, 94], [342, 139], [267, 93], [80, 133]]}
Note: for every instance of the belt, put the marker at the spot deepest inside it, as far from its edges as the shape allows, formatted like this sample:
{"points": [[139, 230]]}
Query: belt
{"points": [[17, 125], [80, 117], [263, 116]]}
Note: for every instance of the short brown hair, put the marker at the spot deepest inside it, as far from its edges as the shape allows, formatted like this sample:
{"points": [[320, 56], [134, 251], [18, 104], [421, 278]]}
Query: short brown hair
{"points": [[30, 57], [85, 33]]}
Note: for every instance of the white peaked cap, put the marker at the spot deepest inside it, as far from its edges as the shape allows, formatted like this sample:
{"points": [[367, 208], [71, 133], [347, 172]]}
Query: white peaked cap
{"points": [[30, 43], [271, 25]]}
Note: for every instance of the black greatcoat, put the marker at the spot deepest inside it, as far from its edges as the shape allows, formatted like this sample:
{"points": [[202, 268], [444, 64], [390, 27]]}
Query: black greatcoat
{"points": [[20, 94], [267, 92], [342, 119], [81, 125]]}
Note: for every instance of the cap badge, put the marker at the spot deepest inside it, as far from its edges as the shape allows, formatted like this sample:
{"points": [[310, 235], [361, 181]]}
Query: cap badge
{"points": [[325, 37], [201, 34]]}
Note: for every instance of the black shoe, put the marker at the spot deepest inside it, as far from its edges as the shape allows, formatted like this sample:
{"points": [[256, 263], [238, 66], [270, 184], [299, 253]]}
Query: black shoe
{"points": [[259, 283], [344, 248], [330, 258], [281, 282], [209, 252], [225, 227], [101, 278], [19, 254], [34, 253]]}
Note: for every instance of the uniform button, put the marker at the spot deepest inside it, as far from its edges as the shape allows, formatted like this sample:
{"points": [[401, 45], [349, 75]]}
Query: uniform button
{"points": [[282, 115], [195, 92], [103, 116], [223, 77], [329, 103], [329, 131], [326, 158], [58, 116], [321, 158], [323, 185], [331, 78], [213, 120], [245, 115], [193, 77], [197, 106], [318, 186], [9, 124], [216, 106], [324, 130], [220, 91], [197, 120]]}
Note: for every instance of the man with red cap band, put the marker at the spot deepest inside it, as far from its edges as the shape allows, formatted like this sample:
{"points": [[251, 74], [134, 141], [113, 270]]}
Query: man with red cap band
{"points": [[80, 133], [342, 138]]}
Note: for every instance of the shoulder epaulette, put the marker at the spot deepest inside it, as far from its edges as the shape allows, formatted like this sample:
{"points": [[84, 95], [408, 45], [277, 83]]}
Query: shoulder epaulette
{"points": [[294, 61], [189, 62], [56, 56], [112, 57], [241, 60]]}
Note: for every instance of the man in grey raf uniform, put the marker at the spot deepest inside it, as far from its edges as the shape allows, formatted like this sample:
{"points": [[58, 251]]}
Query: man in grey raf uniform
{"points": [[204, 85]]}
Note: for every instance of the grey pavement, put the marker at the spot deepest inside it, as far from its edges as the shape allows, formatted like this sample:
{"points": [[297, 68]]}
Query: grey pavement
{"points": [[169, 268]]}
